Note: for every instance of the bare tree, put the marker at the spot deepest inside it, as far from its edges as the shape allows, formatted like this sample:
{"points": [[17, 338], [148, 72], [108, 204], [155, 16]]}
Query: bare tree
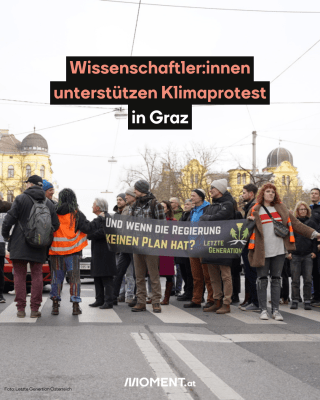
{"points": [[148, 170]]}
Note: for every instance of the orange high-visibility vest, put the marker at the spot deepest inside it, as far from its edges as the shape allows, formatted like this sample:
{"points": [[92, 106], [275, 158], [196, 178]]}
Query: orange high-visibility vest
{"points": [[65, 239]]}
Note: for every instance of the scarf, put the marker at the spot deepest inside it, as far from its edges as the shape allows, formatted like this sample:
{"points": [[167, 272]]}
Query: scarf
{"points": [[253, 236]]}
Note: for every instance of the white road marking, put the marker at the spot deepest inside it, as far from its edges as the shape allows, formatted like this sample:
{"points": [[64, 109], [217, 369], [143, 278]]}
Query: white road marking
{"points": [[309, 314], [274, 337], [251, 337], [160, 367], [95, 314], [86, 290], [251, 317], [217, 386], [9, 315], [174, 315]]}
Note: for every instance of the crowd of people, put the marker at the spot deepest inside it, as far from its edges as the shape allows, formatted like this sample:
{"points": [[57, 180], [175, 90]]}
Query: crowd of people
{"points": [[284, 242]]}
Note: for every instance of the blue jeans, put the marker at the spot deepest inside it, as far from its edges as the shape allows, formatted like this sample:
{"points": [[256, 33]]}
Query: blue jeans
{"points": [[60, 265], [301, 265]]}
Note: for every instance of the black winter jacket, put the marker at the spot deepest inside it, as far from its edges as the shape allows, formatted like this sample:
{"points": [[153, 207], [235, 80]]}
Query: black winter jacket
{"points": [[305, 245], [20, 211], [221, 209], [4, 207], [248, 207], [103, 261]]}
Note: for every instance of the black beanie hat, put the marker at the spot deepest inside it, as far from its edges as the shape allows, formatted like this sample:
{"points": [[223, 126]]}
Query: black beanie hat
{"points": [[142, 186]]}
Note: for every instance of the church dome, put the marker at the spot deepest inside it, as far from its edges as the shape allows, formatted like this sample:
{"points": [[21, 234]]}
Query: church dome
{"points": [[277, 156], [34, 143]]}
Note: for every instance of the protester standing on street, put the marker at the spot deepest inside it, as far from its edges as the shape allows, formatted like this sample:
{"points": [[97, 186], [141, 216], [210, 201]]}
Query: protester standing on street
{"points": [[118, 209], [177, 213], [49, 190], [301, 258], [148, 207], [315, 208], [125, 260], [250, 302], [221, 209], [65, 251], [267, 250], [199, 272], [21, 252], [4, 207], [184, 262], [166, 263], [103, 261]]}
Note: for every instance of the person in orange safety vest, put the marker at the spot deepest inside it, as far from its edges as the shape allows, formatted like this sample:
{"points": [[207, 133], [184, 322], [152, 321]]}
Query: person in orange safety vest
{"points": [[65, 250]]}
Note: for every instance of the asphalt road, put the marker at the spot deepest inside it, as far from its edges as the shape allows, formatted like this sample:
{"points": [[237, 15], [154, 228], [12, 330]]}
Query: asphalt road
{"points": [[178, 354]]}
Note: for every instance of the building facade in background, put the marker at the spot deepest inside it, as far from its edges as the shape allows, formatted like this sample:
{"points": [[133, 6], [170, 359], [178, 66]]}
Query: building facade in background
{"points": [[279, 170], [19, 160]]}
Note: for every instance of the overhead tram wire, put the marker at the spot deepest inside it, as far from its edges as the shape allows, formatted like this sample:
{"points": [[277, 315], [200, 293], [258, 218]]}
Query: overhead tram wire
{"points": [[139, 155], [214, 8], [26, 102], [66, 123], [295, 61]]}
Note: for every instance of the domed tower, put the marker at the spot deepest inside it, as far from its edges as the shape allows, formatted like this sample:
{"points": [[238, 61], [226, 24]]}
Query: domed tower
{"points": [[285, 175], [34, 143], [277, 156], [19, 160]]}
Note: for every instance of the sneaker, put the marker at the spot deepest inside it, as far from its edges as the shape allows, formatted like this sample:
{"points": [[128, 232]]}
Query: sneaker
{"points": [[2, 299], [28, 294], [250, 307], [12, 292], [129, 299], [264, 315], [315, 304], [294, 305], [243, 305], [277, 316]]}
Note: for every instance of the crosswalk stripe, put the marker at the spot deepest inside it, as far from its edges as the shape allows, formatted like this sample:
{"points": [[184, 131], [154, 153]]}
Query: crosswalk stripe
{"points": [[160, 367], [251, 317], [9, 315], [174, 315], [95, 314], [217, 386], [309, 314], [244, 337]]}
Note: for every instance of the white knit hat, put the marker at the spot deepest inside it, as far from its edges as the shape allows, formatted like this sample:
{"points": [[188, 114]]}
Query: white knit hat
{"points": [[220, 184]]}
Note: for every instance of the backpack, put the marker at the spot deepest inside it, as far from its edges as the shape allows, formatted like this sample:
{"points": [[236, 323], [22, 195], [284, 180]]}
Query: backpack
{"points": [[39, 230]]}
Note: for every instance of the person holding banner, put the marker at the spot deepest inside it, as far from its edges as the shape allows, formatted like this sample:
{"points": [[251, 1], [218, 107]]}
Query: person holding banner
{"points": [[199, 272], [103, 261], [4, 207], [166, 264], [148, 207], [273, 236], [184, 262], [221, 209]]}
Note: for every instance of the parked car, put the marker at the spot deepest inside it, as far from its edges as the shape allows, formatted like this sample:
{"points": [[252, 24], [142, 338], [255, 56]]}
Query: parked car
{"points": [[85, 264], [8, 275]]}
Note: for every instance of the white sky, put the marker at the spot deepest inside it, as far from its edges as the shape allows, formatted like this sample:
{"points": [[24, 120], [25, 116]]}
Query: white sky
{"points": [[36, 36]]}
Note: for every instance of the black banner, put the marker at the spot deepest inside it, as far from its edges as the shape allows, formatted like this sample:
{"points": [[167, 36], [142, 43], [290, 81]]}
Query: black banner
{"points": [[219, 239]]}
